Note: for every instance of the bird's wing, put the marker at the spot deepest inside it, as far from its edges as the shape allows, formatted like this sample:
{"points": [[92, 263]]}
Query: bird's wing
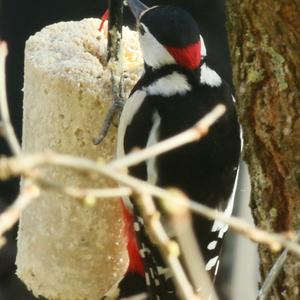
{"points": [[219, 228]]}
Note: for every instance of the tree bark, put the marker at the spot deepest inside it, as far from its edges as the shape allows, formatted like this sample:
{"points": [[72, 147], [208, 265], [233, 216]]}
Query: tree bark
{"points": [[265, 52]]}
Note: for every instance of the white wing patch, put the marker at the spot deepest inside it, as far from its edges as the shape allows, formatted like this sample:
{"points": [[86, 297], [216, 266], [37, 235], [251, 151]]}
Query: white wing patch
{"points": [[209, 76], [170, 85], [211, 263], [218, 225], [212, 245], [136, 226], [217, 267], [131, 106]]}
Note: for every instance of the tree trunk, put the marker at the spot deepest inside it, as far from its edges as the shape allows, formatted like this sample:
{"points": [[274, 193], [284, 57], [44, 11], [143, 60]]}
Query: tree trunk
{"points": [[265, 51]]}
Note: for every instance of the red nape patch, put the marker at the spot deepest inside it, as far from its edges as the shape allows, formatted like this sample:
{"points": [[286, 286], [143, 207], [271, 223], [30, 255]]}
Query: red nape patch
{"points": [[103, 19], [188, 57], [135, 261]]}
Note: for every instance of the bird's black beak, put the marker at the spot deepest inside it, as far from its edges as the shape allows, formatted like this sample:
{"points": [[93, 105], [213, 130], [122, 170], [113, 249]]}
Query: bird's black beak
{"points": [[137, 7]]}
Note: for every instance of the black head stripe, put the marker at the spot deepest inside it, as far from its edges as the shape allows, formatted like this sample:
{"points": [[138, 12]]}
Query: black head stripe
{"points": [[171, 26]]}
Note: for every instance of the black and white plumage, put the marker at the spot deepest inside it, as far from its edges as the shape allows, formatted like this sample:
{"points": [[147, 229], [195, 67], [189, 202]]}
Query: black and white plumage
{"points": [[176, 90]]}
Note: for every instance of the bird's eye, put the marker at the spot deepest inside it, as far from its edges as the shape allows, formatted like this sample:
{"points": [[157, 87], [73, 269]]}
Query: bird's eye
{"points": [[141, 29]]}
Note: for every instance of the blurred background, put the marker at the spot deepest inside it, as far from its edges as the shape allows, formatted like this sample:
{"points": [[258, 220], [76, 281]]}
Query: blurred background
{"points": [[21, 18]]}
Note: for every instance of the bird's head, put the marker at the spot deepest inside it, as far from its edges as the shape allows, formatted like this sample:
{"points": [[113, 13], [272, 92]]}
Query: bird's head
{"points": [[168, 35]]}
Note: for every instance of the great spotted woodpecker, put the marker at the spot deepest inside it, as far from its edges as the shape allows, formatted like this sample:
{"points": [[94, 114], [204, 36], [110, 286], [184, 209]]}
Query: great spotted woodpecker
{"points": [[178, 88]]}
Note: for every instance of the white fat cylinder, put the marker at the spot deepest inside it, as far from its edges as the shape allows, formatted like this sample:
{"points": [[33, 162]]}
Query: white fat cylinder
{"points": [[67, 250]]}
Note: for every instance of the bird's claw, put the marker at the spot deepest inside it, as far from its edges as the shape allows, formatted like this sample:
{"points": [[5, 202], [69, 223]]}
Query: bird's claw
{"points": [[114, 110]]}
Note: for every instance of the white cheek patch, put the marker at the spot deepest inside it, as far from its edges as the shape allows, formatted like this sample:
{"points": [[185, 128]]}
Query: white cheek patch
{"points": [[155, 54], [170, 85]]}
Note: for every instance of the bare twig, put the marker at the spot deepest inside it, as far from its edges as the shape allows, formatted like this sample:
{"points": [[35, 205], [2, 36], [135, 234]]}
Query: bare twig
{"points": [[273, 274], [24, 165], [181, 220], [181, 281], [198, 131], [89, 196], [79, 193], [11, 215], [168, 248], [19, 165], [195, 133], [8, 131], [96, 193]]}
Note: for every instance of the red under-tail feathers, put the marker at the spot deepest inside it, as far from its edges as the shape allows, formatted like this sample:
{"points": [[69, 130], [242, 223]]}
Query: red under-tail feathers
{"points": [[135, 260]]}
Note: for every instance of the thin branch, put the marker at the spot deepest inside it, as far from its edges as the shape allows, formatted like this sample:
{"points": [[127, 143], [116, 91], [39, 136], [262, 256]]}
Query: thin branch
{"points": [[168, 248], [19, 165], [96, 193], [11, 215], [273, 240], [273, 274], [195, 133], [79, 193], [182, 225], [198, 131], [8, 131], [88, 196], [181, 281], [25, 164]]}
